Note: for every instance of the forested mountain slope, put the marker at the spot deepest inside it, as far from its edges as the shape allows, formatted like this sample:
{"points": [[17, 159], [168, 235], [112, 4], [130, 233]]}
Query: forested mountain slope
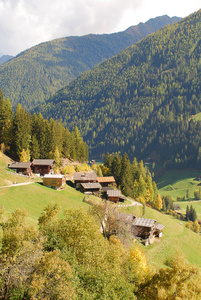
{"points": [[36, 74], [142, 100]]}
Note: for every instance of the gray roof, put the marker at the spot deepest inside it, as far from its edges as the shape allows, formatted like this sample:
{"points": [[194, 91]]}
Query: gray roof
{"points": [[85, 176], [91, 185], [159, 226], [143, 222], [114, 193], [107, 188], [43, 162], [20, 165]]}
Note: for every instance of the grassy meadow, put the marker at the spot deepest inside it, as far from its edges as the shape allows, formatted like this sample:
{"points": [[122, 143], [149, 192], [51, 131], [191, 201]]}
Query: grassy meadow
{"points": [[195, 204], [175, 183], [8, 177], [177, 238], [34, 197]]}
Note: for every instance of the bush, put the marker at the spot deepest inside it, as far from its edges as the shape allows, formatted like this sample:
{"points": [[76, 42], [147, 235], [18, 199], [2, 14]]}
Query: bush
{"points": [[68, 170], [82, 167]]}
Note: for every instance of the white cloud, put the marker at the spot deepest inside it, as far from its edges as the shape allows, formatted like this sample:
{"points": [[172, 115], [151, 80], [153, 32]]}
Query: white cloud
{"points": [[25, 23]]}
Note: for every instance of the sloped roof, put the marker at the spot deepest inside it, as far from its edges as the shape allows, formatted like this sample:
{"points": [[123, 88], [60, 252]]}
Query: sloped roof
{"points": [[91, 185], [114, 193], [106, 179], [85, 176], [43, 162], [20, 165], [143, 222], [159, 226], [107, 188]]}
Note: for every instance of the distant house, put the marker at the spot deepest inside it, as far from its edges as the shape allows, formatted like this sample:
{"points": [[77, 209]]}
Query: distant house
{"points": [[106, 181], [176, 207], [84, 177], [53, 180], [90, 187], [21, 167], [42, 166], [115, 195]]}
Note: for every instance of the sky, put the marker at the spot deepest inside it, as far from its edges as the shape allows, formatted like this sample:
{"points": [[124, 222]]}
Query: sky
{"points": [[26, 23]]}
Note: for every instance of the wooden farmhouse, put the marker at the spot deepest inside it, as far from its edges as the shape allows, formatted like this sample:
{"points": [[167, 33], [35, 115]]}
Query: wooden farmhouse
{"points": [[21, 167], [42, 166], [84, 177], [115, 196], [146, 229], [53, 180], [106, 181], [90, 188]]}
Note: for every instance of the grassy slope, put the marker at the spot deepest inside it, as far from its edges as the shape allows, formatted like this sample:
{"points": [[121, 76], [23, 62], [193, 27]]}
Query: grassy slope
{"points": [[176, 183], [176, 238], [33, 197], [8, 177], [195, 204]]}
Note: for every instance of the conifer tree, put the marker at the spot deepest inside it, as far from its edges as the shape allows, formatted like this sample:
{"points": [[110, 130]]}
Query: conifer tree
{"points": [[25, 156], [116, 168], [159, 203], [187, 213], [6, 122], [21, 131], [35, 150], [57, 160]]}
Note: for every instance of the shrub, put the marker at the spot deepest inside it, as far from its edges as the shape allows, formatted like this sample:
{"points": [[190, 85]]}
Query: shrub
{"points": [[68, 170]]}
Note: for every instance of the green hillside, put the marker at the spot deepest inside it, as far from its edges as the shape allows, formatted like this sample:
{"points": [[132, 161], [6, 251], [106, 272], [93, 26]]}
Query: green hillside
{"points": [[142, 100], [35, 197], [35, 74], [175, 183], [177, 238]]}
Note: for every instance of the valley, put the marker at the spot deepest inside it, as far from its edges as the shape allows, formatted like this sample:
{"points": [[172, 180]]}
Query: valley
{"points": [[127, 227]]}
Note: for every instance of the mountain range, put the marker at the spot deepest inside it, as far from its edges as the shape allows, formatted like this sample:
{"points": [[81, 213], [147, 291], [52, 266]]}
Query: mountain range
{"points": [[37, 73], [142, 100], [5, 58]]}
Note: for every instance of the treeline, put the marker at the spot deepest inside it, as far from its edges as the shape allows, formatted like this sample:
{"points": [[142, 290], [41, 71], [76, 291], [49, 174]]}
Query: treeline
{"points": [[24, 136], [134, 180], [142, 100], [68, 258]]}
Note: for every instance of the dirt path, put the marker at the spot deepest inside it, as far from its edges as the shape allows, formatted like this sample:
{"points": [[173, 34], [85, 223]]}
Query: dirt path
{"points": [[133, 203], [17, 184]]}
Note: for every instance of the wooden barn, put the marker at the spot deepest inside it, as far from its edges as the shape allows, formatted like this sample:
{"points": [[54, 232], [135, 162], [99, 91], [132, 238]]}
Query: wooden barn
{"points": [[146, 229], [84, 177], [42, 166], [21, 167], [90, 187], [53, 180], [106, 181], [115, 196]]}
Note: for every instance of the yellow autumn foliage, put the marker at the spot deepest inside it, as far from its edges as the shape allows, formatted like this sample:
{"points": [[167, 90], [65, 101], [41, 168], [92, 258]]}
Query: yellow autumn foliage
{"points": [[138, 257]]}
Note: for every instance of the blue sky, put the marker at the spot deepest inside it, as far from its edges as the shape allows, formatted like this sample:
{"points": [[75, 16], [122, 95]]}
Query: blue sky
{"points": [[25, 23]]}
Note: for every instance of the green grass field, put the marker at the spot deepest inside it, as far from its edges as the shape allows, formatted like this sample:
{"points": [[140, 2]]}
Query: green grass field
{"points": [[195, 204], [8, 177], [176, 183], [176, 238], [35, 197]]}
